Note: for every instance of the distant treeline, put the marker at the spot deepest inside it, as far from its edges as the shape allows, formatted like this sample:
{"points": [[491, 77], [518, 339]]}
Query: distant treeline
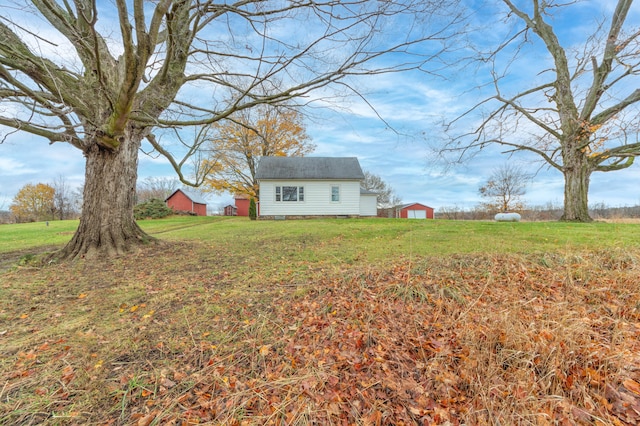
{"points": [[598, 211]]}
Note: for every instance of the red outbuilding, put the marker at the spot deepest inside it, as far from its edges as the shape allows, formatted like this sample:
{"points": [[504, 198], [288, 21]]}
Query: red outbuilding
{"points": [[414, 211], [184, 201], [242, 205], [230, 210], [242, 202]]}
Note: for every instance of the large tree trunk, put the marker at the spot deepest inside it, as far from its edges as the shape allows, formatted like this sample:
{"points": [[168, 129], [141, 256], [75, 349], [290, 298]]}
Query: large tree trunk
{"points": [[576, 188], [107, 225]]}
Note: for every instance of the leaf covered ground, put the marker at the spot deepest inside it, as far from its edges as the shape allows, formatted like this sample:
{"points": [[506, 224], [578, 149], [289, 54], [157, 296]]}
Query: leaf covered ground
{"points": [[182, 333]]}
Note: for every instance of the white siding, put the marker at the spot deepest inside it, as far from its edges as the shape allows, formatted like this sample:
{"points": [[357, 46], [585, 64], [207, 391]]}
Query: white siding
{"points": [[368, 205], [317, 198]]}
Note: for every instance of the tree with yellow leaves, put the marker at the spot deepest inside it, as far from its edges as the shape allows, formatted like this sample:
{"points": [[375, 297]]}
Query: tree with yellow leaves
{"points": [[33, 203], [236, 145]]}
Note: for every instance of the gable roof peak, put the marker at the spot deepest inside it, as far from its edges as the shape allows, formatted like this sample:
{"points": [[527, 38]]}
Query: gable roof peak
{"points": [[196, 198]]}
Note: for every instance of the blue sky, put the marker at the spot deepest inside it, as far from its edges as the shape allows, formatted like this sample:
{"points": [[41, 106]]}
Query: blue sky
{"points": [[411, 103]]}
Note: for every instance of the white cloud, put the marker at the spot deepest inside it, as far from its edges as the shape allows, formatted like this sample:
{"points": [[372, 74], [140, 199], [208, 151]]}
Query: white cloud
{"points": [[11, 167]]}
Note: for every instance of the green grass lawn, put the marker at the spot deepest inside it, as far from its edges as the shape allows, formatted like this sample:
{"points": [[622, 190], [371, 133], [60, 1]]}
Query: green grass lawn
{"points": [[290, 248], [368, 239], [334, 321]]}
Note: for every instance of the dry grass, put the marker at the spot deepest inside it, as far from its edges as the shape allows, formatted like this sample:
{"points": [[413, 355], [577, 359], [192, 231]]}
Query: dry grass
{"points": [[621, 220], [559, 346], [175, 335]]}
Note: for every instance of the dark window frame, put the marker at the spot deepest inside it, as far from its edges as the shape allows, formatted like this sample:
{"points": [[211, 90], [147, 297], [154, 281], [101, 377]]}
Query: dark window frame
{"points": [[289, 194]]}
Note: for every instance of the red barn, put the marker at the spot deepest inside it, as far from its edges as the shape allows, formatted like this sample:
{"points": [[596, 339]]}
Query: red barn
{"points": [[185, 201], [242, 205], [414, 211]]}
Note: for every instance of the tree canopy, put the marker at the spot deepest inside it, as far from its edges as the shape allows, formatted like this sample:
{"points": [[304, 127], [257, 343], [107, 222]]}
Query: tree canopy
{"points": [[235, 146], [387, 196], [33, 203]]}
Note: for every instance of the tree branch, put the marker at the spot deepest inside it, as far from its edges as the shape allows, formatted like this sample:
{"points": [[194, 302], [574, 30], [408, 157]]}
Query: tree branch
{"points": [[610, 52]]}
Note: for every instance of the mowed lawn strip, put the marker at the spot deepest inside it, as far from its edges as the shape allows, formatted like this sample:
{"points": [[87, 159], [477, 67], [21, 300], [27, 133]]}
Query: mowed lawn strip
{"points": [[370, 321], [371, 239]]}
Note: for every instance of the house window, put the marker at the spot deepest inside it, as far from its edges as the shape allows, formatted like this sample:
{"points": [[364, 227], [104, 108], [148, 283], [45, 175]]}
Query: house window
{"points": [[289, 193], [335, 193]]}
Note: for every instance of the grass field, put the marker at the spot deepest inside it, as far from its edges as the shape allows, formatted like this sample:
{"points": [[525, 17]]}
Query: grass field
{"points": [[373, 321], [376, 239]]}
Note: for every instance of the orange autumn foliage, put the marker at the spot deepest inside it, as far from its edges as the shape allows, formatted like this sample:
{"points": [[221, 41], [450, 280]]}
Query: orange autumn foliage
{"points": [[33, 203], [237, 145]]}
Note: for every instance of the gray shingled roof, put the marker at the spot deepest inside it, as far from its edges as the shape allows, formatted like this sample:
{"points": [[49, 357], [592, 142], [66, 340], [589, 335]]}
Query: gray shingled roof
{"points": [[309, 168], [193, 196]]}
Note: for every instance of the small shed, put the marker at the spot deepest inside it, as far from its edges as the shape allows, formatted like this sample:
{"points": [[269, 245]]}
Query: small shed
{"points": [[185, 201], [230, 210], [414, 211]]}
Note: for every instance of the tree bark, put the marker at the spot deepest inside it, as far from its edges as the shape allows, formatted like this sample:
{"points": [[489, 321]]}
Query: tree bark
{"points": [[577, 173], [107, 225]]}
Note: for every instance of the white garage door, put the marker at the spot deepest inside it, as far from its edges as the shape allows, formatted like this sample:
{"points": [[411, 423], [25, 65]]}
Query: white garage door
{"points": [[417, 214]]}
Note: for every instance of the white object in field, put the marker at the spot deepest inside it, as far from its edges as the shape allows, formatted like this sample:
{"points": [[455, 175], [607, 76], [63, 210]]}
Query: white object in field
{"points": [[507, 217]]}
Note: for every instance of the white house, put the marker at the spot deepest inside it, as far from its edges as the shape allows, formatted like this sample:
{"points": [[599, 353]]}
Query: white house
{"points": [[313, 186]]}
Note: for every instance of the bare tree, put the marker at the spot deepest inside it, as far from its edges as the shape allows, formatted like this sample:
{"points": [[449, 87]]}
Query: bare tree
{"points": [[104, 87], [63, 199], [156, 187], [387, 196], [5, 215], [578, 108], [77, 199], [504, 188]]}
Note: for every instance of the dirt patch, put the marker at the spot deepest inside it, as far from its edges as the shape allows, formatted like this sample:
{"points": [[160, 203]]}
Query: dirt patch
{"points": [[12, 258]]}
